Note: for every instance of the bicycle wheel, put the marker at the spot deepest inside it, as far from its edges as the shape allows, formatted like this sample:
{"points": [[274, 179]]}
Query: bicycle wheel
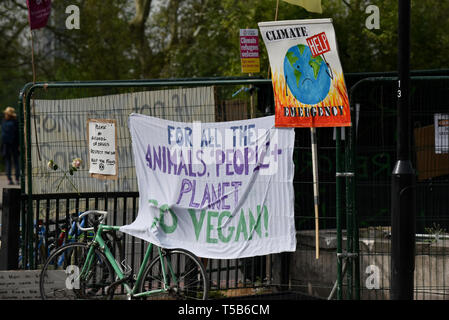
{"points": [[61, 277], [186, 276]]}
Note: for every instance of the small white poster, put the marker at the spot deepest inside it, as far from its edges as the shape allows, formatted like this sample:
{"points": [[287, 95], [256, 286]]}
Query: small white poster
{"points": [[102, 148], [441, 133]]}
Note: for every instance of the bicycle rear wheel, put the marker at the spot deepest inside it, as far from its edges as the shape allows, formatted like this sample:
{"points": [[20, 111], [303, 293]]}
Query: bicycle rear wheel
{"points": [[186, 277], [61, 277]]}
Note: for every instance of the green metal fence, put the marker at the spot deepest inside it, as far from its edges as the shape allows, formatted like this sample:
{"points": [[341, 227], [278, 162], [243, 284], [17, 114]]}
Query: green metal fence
{"points": [[375, 98], [53, 118], [355, 166]]}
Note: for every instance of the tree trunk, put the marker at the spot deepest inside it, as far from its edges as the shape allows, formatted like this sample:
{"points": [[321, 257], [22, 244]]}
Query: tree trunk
{"points": [[137, 27]]}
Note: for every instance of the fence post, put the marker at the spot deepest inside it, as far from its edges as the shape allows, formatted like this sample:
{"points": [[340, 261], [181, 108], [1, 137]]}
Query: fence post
{"points": [[9, 252], [338, 200], [281, 270], [403, 179]]}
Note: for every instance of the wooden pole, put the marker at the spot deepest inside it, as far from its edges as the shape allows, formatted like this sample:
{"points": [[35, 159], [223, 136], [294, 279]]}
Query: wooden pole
{"points": [[32, 57], [33, 66], [275, 19], [315, 189]]}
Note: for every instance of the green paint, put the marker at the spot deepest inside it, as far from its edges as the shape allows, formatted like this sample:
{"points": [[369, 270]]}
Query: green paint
{"points": [[222, 238], [210, 227], [161, 219], [297, 74], [315, 63], [241, 227], [291, 58], [165, 227], [197, 224], [265, 217]]}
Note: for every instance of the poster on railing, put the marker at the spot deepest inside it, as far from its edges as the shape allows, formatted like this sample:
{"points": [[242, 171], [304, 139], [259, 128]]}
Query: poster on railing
{"points": [[103, 159], [308, 83], [441, 133], [220, 190]]}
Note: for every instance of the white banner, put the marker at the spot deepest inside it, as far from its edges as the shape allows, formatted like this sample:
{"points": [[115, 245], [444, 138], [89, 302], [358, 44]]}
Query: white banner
{"points": [[221, 190]]}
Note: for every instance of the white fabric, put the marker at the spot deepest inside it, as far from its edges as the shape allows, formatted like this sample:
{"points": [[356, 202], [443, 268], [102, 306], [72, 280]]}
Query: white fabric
{"points": [[220, 190]]}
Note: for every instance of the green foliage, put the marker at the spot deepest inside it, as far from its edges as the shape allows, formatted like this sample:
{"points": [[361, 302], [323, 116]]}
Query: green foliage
{"points": [[198, 38]]}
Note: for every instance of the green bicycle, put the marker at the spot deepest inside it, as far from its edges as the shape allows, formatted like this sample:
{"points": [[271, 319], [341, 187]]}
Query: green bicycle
{"points": [[90, 271]]}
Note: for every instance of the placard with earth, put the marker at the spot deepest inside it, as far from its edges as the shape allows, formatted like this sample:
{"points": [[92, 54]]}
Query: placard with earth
{"points": [[308, 83]]}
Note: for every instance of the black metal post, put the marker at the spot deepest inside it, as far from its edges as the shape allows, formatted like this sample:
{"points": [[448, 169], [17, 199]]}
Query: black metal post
{"points": [[403, 209], [9, 252]]}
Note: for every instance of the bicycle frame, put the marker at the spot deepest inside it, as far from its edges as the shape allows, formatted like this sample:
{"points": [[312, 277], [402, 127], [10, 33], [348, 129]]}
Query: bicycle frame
{"points": [[131, 292]]}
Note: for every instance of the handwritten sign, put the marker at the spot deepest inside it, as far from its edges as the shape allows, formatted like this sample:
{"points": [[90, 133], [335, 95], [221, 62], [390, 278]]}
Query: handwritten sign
{"points": [[318, 44], [24, 284], [309, 88], [103, 158], [221, 190]]}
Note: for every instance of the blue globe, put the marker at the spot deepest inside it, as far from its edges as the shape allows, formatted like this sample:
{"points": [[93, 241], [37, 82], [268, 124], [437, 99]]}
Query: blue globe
{"points": [[307, 77]]}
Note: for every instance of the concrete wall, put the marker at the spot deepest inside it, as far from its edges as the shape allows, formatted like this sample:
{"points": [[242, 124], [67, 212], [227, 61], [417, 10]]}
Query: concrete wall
{"points": [[316, 277]]}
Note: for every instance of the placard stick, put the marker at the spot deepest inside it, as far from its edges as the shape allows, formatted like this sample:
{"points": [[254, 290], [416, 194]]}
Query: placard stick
{"points": [[33, 66], [315, 189], [275, 19]]}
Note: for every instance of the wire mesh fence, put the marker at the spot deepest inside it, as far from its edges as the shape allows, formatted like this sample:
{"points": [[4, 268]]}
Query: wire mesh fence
{"points": [[56, 130], [375, 99]]}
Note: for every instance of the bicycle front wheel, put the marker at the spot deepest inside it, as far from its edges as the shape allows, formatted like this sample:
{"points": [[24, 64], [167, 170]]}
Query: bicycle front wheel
{"points": [[65, 277], [186, 277]]}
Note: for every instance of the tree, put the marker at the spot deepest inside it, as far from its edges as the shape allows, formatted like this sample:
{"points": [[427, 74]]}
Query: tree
{"points": [[197, 38], [15, 64]]}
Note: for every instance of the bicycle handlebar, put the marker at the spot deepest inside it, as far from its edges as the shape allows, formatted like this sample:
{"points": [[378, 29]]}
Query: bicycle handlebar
{"points": [[85, 213]]}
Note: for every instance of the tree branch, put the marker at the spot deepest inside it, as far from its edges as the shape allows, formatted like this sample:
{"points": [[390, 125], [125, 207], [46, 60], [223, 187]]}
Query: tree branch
{"points": [[173, 13], [19, 5], [137, 28], [16, 34], [347, 4], [142, 12]]}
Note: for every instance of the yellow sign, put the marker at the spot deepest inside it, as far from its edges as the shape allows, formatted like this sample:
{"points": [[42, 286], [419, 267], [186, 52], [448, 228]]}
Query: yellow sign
{"points": [[250, 65]]}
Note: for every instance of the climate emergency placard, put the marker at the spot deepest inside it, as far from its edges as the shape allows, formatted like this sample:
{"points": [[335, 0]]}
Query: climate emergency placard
{"points": [[221, 190], [308, 83]]}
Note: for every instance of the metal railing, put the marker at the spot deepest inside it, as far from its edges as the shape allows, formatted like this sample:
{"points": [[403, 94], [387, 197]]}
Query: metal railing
{"points": [[356, 207]]}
